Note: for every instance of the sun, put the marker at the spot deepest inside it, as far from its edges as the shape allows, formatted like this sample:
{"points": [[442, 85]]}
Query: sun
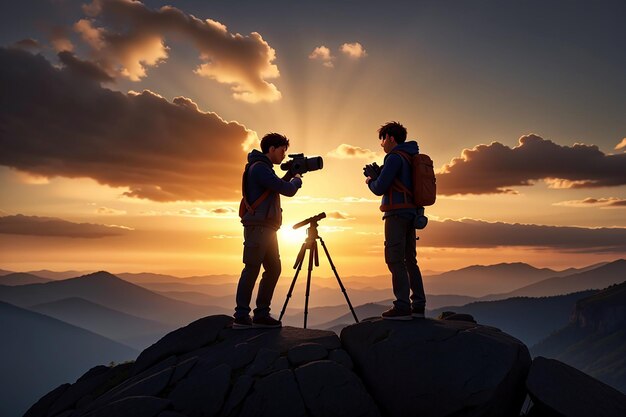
{"points": [[289, 236]]}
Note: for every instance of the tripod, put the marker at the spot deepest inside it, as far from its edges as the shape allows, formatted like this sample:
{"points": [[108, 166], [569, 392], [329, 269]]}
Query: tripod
{"points": [[310, 244]]}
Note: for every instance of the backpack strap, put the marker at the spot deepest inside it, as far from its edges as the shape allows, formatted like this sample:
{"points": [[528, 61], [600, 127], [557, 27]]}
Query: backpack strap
{"points": [[398, 186], [252, 207]]}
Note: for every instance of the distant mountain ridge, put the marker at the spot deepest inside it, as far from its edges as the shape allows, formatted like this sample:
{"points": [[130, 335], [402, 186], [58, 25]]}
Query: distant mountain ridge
{"points": [[110, 291], [54, 351], [594, 340], [104, 321], [597, 278], [21, 278]]}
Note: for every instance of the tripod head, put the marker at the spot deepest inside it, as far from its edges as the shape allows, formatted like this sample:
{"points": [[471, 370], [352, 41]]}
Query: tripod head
{"points": [[311, 220]]}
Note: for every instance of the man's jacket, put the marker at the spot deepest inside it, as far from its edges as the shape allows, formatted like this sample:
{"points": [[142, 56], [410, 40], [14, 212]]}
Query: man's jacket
{"points": [[260, 178], [395, 166]]}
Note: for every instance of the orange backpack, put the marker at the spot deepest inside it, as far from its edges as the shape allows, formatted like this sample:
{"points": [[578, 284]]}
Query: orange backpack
{"points": [[424, 190]]}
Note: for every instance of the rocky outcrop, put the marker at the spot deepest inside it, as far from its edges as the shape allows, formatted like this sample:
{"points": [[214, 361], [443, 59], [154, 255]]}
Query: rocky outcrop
{"points": [[438, 368], [423, 367], [557, 389]]}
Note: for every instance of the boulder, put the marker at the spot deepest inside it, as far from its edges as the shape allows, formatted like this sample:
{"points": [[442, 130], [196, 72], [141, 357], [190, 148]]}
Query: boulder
{"points": [[438, 367], [275, 395], [557, 389], [306, 352], [263, 362], [330, 390], [202, 393], [237, 394], [41, 407], [132, 407], [341, 356], [191, 337]]}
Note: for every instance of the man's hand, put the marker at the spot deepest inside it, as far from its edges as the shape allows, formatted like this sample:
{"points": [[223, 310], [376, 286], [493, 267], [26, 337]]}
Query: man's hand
{"points": [[371, 171]]}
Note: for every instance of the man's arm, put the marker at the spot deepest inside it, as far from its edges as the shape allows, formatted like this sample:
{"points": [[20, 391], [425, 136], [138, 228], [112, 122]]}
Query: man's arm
{"points": [[390, 170], [268, 179]]}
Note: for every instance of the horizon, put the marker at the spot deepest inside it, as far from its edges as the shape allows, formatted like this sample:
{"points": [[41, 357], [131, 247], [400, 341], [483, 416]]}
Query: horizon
{"points": [[123, 143]]}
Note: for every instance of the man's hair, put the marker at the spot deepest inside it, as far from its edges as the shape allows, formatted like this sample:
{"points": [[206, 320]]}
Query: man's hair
{"points": [[273, 139], [394, 129]]}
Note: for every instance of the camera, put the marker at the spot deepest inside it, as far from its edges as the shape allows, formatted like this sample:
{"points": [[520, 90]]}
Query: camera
{"points": [[372, 170], [299, 164]]}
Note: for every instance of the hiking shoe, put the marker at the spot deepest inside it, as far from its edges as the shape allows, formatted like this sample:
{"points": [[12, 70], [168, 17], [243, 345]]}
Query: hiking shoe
{"points": [[417, 312], [267, 322], [395, 314], [242, 323]]}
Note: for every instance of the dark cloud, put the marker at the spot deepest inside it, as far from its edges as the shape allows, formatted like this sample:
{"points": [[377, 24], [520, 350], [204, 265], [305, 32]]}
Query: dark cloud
{"points": [[126, 37], [84, 68], [495, 168], [53, 227], [480, 234], [28, 44], [55, 123]]}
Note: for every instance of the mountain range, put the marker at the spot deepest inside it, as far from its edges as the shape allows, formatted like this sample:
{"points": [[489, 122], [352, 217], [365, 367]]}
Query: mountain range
{"points": [[39, 352]]}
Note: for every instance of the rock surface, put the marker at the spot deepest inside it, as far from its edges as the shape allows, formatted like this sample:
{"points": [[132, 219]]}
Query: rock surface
{"points": [[422, 367], [557, 389], [438, 368]]}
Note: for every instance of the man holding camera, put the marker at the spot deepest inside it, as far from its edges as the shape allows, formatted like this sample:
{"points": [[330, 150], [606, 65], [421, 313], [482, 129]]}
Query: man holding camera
{"points": [[400, 216], [261, 217]]}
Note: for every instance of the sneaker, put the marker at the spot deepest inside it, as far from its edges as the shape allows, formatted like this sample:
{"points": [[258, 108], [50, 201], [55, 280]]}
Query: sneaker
{"points": [[242, 323], [417, 312], [395, 314], [267, 322]]}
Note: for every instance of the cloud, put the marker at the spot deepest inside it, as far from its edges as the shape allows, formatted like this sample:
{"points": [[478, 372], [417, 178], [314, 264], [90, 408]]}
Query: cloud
{"points": [[345, 151], [54, 227], [322, 53], [621, 145], [58, 123], [60, 39], [469, 233], [494, 168], [135, 40], [339, 215], [353, 50], [28, 44], [84, 68], [610, 202], [107, 211], [219, 212]]}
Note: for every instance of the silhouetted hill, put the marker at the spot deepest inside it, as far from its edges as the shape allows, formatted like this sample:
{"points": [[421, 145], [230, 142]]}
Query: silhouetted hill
{"points": [[480, 280], [528, 319], [598, 278], [110, 291], [107, 322], [58, 275], [363, 312], [594, 341], [39, 352], [21, 278]]}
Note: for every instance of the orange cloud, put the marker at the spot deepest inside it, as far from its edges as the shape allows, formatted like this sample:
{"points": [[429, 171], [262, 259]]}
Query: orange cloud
{"points": [[621, 145], [354, 50], [59, 123], [244, 62], [339, 215], [345, 151], [610, 202], [322, 53], [494, 168]]}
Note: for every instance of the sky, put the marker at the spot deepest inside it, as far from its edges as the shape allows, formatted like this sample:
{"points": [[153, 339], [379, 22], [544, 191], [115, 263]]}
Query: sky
{"points": [[124, 129]]}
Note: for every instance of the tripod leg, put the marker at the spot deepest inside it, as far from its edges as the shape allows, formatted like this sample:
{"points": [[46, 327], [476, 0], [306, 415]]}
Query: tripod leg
{"points": [[312, 254], [297, 265], [343, 289]]}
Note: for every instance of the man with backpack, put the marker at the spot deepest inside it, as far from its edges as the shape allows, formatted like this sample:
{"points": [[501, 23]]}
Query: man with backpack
{"points": [[261, 217], [401, 215]]}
